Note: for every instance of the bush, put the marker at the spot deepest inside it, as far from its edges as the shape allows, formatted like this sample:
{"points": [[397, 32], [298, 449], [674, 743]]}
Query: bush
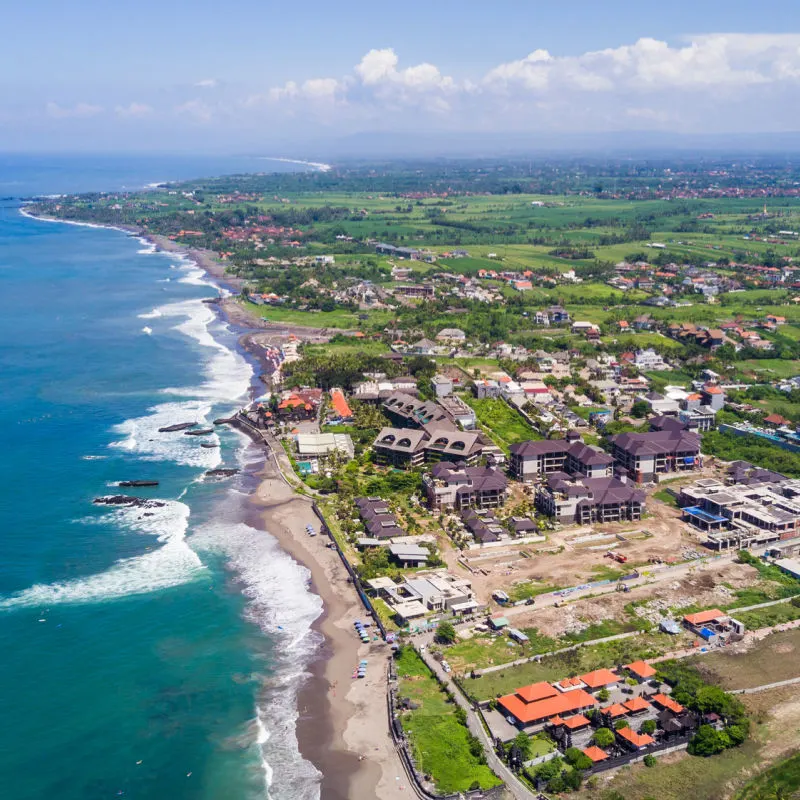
{"points": [[446, 633], [708, 741], [649, 760], [648, 726], [604, 737], [577, 758], [620, 724]]}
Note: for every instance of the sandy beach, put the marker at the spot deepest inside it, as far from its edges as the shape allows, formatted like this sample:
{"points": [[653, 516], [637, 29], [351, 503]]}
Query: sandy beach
{"points": [[343, 727]]}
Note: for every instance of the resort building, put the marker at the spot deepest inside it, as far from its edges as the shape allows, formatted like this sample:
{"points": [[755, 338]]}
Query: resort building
{"points": [[644, 456], [410, 412], [531, 460], [449, 486], [378, 519], [409, 448], [588, 500], [743, 514]]}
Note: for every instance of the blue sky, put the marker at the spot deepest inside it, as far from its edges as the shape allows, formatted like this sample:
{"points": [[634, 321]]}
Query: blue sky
{"points": [[244, 74]]}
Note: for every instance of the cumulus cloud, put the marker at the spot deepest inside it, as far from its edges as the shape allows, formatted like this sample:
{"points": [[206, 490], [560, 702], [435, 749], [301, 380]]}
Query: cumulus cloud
{"points": [[134, 110], [79, 110], [195, 110]]}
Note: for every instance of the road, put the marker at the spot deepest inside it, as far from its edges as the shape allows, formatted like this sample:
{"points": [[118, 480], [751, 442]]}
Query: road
{"points": [[513, 784], [654, 574]]}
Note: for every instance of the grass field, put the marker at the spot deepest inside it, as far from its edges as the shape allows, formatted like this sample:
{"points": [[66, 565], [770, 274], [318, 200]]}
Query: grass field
{"points": [[774, 659], [441, 744], [502, 423], [780, 781], [557, 667]]}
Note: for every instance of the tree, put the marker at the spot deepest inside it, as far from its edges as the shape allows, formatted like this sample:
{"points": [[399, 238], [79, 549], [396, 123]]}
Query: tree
{"points": [[577, 758], [649, 760], [639, 409], [604, 737], [603, 695], [648, 726], [620, 724], [708, 741], [523, 742], [446, 633]]}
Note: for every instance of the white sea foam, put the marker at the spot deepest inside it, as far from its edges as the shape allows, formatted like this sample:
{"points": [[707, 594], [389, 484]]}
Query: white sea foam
{"points": [[154, 314], [227, 379], [280, 602], [94, 458], [172, 564]]}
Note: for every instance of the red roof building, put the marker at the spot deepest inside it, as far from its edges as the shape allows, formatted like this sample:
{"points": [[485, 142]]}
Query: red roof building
{"points": [[641, 670], [529, 712], [599, 678], [665, 701], [636, 739], [572, 723], [595, 754], [636, 705]]}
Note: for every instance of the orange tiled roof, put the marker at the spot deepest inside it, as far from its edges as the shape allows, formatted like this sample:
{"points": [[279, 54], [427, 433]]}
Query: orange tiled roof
{"points": [[616, 710], [667, 702], [636, 704], [638, 739], [641, 668], [577, 721], [595, 753], [702, 617], [599, 678], [541, 710], [537, 691]]}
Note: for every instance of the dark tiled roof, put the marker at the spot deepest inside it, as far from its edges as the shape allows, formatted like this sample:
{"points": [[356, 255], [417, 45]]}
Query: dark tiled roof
{"points": [[657, 442]]}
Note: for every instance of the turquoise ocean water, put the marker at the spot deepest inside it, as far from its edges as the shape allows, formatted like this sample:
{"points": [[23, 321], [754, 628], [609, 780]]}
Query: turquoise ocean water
{"points": [[146, 653]]}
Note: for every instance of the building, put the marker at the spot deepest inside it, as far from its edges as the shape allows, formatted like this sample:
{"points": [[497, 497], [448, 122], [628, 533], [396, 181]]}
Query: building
{"points": [[458, 411], [533, 459], [641, 671], [378, 519], [437, 591], [423, 291], [442, 386], [539, 702], [743, 514], [409, 555], [483, 387], [409, 448], [483, 525], [644, 456], [648, 360], [454, 336], [340, 406], [449, 486], [588, 500], [316, 445], [411, 412]]}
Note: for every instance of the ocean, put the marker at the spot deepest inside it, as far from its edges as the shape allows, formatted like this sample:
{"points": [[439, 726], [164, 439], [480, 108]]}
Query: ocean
{"points": [[148, 652]]}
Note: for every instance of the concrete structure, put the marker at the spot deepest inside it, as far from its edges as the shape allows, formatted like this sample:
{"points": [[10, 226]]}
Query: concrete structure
{"points": [[743, 514], [588, 500], [442, 385], [449, 486], [531, 460], [315, 445], [436, 591], [644, 456], [408, 448]]}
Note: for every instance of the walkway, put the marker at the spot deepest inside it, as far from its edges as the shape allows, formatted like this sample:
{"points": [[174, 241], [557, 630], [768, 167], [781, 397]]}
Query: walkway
{"points": [[500, 768]]}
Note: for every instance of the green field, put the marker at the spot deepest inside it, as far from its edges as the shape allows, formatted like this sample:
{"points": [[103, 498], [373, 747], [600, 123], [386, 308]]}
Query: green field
{"points": [[501, 422], [780, 781], [442, 745]]}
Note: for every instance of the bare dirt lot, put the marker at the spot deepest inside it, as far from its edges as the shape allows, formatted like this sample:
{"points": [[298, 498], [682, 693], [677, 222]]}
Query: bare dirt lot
{"points": [[752, 663]]}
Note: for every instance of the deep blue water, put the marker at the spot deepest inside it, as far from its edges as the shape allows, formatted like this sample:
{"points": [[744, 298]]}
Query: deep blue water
{"points": [[141, 650]]}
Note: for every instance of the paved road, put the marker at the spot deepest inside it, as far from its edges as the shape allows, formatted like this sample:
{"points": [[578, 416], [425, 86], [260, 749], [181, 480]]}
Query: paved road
{"points": [[764, 687], [513, 784]]}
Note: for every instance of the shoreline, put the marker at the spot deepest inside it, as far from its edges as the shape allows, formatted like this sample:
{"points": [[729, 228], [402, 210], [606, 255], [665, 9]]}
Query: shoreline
{"points": [[342, 726]]}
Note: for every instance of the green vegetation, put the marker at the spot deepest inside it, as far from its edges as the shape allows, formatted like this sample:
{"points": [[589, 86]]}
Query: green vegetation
{"points": [[666, 496], [556, 667], [780, 781], [503, 424], [730, 447], [525, 590], [442, 745]]}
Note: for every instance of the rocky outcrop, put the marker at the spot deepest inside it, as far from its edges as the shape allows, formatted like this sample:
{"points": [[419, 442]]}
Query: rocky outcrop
{"points": [[201, 432], [221, 472], [136, 484], [127, 500], [181, 426]]}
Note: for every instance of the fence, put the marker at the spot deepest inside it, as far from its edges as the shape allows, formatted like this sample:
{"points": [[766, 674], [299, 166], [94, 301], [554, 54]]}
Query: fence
{"points": [[362, 595], [676, 743]]}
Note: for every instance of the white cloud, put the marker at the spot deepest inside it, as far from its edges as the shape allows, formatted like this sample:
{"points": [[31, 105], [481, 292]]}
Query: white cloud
{"points": [[379, 67], [79, 110], [134, 110], [207, 83], [196, 110]]}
